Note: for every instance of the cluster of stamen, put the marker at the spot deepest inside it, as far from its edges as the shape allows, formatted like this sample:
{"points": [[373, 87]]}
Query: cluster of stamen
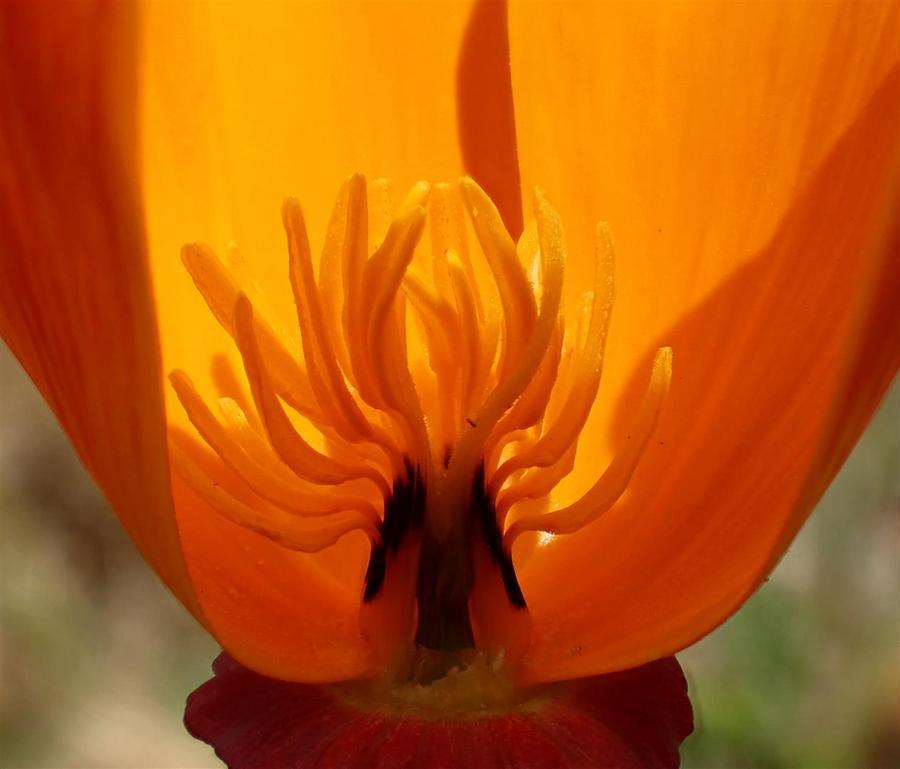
{"points": [[416, 353]]}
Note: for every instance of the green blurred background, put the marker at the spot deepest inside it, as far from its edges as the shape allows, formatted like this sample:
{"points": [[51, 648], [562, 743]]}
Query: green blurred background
{"points": [[96, 658]]}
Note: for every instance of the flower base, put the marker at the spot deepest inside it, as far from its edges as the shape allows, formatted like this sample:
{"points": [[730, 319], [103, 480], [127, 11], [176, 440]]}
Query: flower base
{"points": [[634, 719]]}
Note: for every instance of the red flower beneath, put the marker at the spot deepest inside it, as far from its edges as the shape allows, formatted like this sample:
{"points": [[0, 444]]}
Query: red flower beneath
{"points": [[635, 719]]}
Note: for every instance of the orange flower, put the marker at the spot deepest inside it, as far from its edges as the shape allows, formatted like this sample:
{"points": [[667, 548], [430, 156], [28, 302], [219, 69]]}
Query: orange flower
{"points": [[744, 158]]}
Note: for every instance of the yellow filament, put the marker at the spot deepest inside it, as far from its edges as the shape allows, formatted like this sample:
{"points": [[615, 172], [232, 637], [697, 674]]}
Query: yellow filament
{"points": [[316, 338], [361, 278], [566, 428], [294, 451], [527, 249], [537, 482], [283, 529], [355, 247], [499, 384], [254, 466], [220, 291], [529, 409], [611, 485], [440, 324], [471, 447], [382, 279], [479, 337], [519, 306], [226, 383], [298, 248], [448, 237], [346, 495], [380, 210], [385, 338], [331, 286]]}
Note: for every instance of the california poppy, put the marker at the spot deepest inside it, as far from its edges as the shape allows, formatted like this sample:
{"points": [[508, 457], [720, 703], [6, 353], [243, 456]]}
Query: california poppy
{"points": [[388, 455]]}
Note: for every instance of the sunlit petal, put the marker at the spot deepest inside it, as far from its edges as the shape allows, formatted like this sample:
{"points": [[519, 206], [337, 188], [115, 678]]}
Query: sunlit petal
{"points": [[243, 106]]}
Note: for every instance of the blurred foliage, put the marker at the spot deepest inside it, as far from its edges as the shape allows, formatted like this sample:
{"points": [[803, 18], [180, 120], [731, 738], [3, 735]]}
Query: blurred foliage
{"points": [[96, 658], [807, 674]]}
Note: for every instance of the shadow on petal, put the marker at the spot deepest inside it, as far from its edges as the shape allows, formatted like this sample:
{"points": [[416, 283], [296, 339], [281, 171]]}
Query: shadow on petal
{"points": [[760, 374]]}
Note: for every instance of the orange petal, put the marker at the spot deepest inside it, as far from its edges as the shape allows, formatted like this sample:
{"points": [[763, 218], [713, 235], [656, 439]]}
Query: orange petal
{"points": [[743, 156], [244, 105], [241, 106], [75, 299], [275, 610]]}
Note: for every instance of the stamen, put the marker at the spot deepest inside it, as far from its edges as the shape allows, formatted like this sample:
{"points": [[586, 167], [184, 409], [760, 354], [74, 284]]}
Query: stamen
{"points": [[356, 241], [347, 494], [448, 236], [536, 483], [480, 335], [385, 340], [467, 411], [441, 327], [519, 306], [330, 277], [283, 529], [471, 447], [294, 451], [611, 485], [565, 430], [349, 420], [220, 290], [316, 366], [529, 409], [380, 210], [255, 466], [226, 383]]}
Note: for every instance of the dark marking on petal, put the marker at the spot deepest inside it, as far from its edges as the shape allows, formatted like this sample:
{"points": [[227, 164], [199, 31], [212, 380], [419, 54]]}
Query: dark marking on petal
{"points": [[485, 512], [404, 511]]}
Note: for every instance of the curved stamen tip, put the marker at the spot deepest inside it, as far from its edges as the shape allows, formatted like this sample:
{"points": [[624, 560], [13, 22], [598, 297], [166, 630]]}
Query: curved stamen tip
{"points": [[178, 378], [189, 252], [540, 198], [417, 197], [663, 358], [291, 210], [197, 258], [613, 483]]}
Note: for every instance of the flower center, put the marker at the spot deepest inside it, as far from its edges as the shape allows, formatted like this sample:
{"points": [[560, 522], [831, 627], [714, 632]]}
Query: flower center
{"points": [[437, 398]]}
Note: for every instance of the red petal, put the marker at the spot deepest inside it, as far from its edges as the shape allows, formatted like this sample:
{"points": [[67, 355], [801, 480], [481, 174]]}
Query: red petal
{"points": [[635, 719]]}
